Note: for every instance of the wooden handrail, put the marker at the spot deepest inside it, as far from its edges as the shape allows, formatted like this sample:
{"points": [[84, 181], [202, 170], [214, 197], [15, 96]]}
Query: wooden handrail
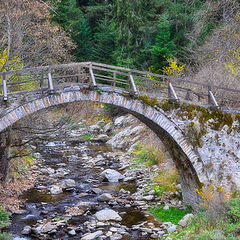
{"points": [[119, 75]]}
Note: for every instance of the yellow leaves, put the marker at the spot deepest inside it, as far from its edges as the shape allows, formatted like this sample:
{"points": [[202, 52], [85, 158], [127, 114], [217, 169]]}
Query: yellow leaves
{"points": [[233, 67], [208, 194], [14, 63], [174, 68]]}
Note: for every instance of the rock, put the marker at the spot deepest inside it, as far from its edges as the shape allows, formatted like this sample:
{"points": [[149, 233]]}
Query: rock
{"points": [[94, 128], [119, 121], [166, 207], [102, 137], [96, 190], [123, 191], [72, 232], [154, 236], [152, 192], [105, 197], [107, 214], [26, 230], [185, 220], [91, 236], [86, 205], [129, 179], [112, 175], [108, 127], [172, 229], [48, 227], [116, 236], [50, 144], [55, 189], [148, 197], [67, 183]]}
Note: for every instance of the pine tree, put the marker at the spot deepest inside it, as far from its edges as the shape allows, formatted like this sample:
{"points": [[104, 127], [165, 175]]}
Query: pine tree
{"points": [[105, 42], [164, 46], [71, 18]]}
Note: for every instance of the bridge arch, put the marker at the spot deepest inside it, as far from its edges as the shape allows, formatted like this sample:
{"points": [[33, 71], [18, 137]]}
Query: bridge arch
{"points": [[187, 161]]}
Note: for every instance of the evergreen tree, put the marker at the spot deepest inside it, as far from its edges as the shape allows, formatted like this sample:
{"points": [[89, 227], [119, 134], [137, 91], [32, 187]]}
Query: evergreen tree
{"points": [[132, 21], [104, 42], [71, 18], [164, 46]]}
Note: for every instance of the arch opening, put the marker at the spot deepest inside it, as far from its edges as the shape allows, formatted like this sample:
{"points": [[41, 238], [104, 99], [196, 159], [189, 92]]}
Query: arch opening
{"points": [[186, 160]]}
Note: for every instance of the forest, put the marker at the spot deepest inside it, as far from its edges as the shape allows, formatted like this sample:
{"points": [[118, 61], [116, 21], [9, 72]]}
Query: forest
{"points": [[194, 38]]}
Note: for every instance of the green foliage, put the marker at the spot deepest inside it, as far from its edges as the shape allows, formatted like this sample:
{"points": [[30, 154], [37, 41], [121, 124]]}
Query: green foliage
{"points": [[164, 46], [4, 218], [71, 18], [87, 136], [173, 215], [166, 181], [5, 236], [144, 155], [104, 42], [234, 209], [214, 224]]}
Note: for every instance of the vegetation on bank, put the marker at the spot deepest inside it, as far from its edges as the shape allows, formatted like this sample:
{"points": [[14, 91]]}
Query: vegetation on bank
{"points": [[173, 215], [4, 222]]}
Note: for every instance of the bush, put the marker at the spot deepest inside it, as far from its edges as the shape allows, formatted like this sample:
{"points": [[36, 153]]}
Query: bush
{"points": [[4, 218]]}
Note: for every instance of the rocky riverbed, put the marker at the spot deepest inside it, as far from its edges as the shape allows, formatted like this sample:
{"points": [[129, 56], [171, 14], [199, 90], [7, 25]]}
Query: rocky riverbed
{"points": [[89, 189]]}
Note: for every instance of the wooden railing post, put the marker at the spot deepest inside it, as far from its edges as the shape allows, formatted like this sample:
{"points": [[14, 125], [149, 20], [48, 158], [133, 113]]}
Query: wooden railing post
{"points": [[172, 96], [4, 83], [93, 83], [50, 81], [132, 85], [114, 79], [212, 99], [42, 79]]}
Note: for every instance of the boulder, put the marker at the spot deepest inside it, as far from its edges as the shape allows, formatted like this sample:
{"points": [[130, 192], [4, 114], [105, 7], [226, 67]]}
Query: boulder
{"points": [[26, 230], [112, 175], [55, 189], [185, 220], [172, 229], [105, 197], [107, 214], [48, 227], [108, 127], [116, 236], [67, 183], [91, 236], [102, 137]]}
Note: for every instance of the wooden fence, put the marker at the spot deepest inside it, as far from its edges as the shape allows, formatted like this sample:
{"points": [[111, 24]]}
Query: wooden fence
{"points": [[97, 75]]}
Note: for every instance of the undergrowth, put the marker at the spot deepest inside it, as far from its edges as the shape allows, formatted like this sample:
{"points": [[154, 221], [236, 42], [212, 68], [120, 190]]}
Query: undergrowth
{"points": [[166, 181], [173, 215], [4, 222], [147, 155], [87, 136]]}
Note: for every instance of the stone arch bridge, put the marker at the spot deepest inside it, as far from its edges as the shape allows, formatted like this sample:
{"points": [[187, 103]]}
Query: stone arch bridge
{"points": [[54, 85]]}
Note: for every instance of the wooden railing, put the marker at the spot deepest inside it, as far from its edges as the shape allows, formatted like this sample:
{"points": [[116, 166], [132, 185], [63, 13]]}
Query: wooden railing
{"points": [[97, 75]]}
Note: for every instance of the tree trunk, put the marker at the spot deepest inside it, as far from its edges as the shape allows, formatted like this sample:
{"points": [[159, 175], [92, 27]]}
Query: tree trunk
{"points": [[5, 144]]}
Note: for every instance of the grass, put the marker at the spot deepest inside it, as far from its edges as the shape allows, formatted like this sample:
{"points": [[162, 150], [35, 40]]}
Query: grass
{"points": [[213, 223], [147, 155], [87, 136], [166, 181], [173, 215]]}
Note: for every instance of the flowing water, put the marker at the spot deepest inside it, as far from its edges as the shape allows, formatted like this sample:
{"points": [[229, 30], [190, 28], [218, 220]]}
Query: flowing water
{"points": [[73, 161]]}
